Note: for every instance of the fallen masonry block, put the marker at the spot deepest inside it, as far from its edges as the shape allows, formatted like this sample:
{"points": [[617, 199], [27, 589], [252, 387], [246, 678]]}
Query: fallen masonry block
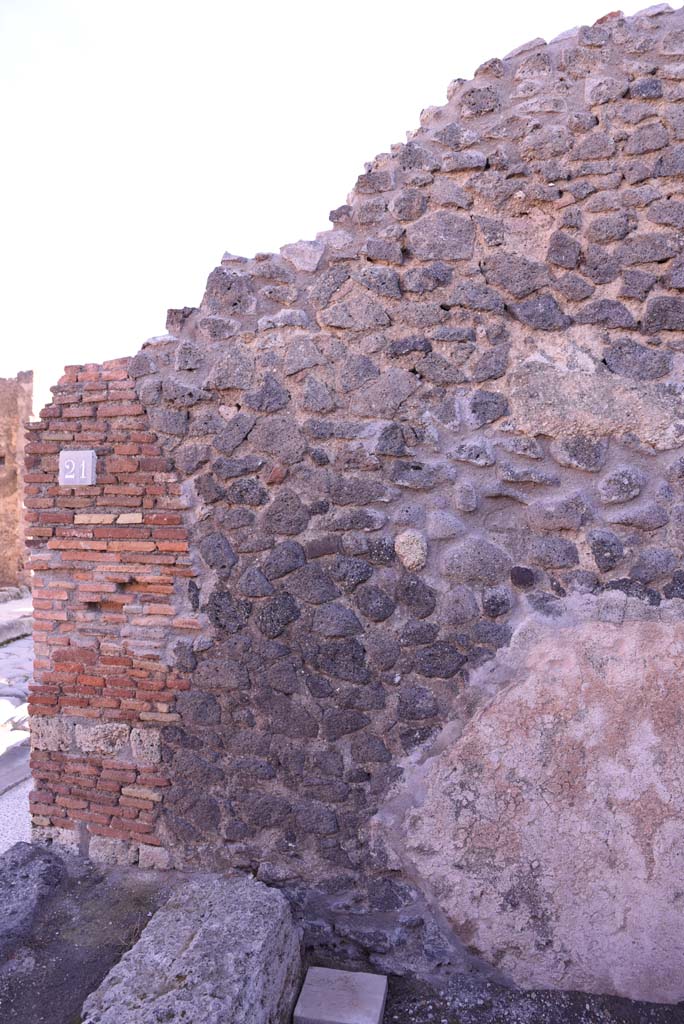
{"points": [[341, 997], [221, 951]]}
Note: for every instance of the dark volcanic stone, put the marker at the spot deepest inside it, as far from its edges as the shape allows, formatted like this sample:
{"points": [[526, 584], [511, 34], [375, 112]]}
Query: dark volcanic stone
{"points": [[522, 577], [227, 468], [426, 279], [664, 313], [355, 490], [317, 397], [270, 397], [491, 634], [634, 588], [349, 572], [336, 620], [246, 492], [552, 552], [226, 613], [290, 718], [416, 702], [381, 550], [197, 707], [643, 517], [498, 600], [668, 212], [606, 312], [491, 365], [313, 585], [283, 559], [564, 250], [340, 723], [481, 101], [286, 514], [404, 346], [637, 362], [218, 554], [417, 476], [267, 811], [675, 275], [234, 432], [646, 89], [367, 748], [516, 274], [675, 588], [374, 603], [486, 407], [416, 595], [278, 613], [636, 284], [652, 563], [29, 874], [409, 204], [439, 660], [473, 295], [580, 452], [391, 441], [606, 548], [574, 287], [191, 457], [543, 313], [648, 248], [207, 489], [600, 266], [316, 819], [343, 659], [441, 236], [416, 632], [546, 604], [613, 227]]}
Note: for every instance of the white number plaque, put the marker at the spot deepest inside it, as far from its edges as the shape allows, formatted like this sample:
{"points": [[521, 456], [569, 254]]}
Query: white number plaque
{"points": [[77, 469]]}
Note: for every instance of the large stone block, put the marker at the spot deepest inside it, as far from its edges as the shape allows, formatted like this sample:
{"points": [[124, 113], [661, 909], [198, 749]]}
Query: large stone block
{"points": [[545, 399], [550, 833], [341, 997], [221, 951]]}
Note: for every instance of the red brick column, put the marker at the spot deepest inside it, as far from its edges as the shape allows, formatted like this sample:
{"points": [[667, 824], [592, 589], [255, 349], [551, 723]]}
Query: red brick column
{"points": [[109, 565]]}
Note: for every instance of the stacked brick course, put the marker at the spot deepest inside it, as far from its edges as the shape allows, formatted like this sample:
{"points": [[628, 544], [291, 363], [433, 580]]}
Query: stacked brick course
{"points": [[106, 559]]}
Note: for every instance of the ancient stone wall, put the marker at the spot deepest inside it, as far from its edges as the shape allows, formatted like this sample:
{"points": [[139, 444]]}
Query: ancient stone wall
{"points": [[390, 450], [16, 397]]}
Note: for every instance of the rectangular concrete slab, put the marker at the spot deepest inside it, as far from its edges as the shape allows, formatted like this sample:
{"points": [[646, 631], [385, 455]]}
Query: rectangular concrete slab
{"points": [[341, 997]]}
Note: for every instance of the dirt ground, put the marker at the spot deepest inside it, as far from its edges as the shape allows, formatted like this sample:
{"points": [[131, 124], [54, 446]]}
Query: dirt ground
{"points": [[66, 923], [75, 939], [411, 1002]]}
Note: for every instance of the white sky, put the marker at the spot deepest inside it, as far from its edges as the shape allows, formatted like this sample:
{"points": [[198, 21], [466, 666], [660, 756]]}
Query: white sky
{"points": [[143, 138]]}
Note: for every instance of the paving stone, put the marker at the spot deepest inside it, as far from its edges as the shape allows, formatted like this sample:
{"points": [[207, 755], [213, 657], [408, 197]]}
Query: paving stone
{"points": [[341, 997]]}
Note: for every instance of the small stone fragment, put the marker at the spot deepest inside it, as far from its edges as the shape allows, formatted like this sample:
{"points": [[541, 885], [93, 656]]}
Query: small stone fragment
{"points": [[411, 548]]}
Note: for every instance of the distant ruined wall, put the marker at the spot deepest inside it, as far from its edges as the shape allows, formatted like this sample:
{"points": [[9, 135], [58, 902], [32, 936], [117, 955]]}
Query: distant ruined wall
{"points": [[16, 397], [404, 457]]}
